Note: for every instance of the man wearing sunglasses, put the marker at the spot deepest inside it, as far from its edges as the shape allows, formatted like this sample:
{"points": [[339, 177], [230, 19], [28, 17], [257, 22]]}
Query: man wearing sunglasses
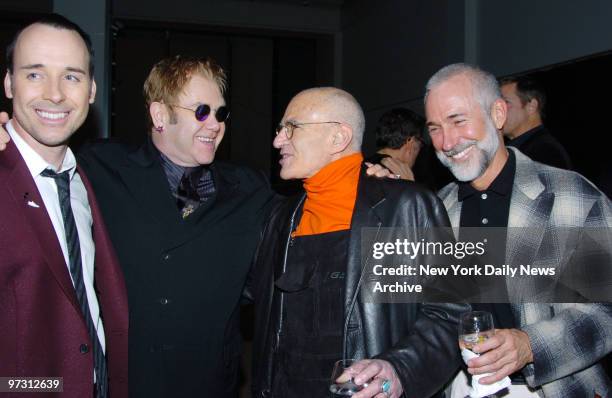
{"points": [[184, 228]]}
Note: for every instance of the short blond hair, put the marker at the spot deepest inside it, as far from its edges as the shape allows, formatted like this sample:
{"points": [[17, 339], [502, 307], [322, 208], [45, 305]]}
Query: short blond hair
{"points": [[169, 77]]}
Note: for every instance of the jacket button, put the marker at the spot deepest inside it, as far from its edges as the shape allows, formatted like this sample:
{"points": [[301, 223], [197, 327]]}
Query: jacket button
{"points": [[166, 256], [164, 301], [84, 349]]}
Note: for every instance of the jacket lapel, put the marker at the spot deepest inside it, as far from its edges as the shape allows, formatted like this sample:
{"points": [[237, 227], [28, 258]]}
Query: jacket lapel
{"points": [[530, 208], [211, 212], [21, 187], [145, 179], [370, 200], [108, 279], [452, 204]]}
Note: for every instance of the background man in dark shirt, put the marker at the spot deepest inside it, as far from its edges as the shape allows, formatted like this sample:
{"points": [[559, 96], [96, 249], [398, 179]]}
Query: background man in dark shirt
{"points": [[525, 100], [399, 139]]}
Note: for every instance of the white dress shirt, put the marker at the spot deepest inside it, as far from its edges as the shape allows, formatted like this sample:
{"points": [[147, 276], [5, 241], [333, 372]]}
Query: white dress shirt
{"points": [[82, 216]]}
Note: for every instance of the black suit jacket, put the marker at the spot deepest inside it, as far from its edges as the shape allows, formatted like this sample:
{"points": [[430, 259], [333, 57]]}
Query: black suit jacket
{"points": [[184, 277]]}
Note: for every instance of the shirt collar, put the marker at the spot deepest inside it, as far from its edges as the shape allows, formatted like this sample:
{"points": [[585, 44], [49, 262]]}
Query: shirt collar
{"points": [[35, 163], [518, 141], [502, 184], [174, 172]]}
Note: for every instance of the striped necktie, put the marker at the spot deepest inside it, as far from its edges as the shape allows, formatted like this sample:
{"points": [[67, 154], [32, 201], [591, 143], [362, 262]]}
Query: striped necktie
{"points": [[62, 181]]}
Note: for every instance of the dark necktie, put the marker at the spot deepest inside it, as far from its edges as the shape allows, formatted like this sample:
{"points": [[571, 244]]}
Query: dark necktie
{"points": [[62, 181], [187, 196]]}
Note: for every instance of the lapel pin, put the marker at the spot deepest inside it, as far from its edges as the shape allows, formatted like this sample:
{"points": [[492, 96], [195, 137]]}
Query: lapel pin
{"points": [[187, 210], [31, 203]]}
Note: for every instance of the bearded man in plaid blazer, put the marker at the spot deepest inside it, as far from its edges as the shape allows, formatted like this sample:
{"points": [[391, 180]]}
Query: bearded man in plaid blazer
{"points": [[556, 346]]}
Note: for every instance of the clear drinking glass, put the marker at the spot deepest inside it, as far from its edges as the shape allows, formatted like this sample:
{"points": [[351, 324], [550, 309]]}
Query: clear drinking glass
{"points": [[349, 387], [475, 327]]}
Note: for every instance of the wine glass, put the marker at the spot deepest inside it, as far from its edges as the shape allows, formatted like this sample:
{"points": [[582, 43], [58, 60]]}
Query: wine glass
{"points": [[475, 327], [347, 388]]}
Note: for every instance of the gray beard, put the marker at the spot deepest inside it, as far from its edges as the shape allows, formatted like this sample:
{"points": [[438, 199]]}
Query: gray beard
{"points": [[478, 162]]}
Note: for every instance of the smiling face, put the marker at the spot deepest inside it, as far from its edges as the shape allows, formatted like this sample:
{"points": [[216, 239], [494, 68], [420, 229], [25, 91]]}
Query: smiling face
{"points": [[464, 136], [311, 146], [185, 140], [50, 87]]}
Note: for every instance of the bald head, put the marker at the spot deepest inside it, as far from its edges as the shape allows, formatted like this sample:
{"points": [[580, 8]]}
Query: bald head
{"points": [[320, 126], [336, 105]]}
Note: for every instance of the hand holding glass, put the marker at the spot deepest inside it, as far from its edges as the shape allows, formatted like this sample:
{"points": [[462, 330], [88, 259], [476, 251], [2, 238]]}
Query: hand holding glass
{"points": [[344, 387], [475, 327]]}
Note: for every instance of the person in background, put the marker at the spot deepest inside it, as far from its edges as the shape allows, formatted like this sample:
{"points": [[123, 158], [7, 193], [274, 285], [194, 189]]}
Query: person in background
{"points": [[399, 139], [524, 128]]}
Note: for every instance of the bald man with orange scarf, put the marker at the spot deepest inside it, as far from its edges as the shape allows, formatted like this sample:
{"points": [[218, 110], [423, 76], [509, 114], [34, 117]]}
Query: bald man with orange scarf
{"points": [[308, 272]]}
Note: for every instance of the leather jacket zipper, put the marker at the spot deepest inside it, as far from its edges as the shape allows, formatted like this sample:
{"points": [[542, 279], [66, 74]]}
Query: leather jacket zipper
{"points": [[288, 244]]}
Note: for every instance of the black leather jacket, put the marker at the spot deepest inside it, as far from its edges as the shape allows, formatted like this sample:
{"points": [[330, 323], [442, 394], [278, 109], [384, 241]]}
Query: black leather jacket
{"points": [[419, 340]]}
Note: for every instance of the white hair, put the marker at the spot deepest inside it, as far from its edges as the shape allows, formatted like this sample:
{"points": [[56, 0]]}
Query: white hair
{"points": [[484, 84]]}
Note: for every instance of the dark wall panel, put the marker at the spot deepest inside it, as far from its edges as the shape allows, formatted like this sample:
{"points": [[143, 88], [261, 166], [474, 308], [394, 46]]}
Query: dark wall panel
{"points": [[251, 124], [135, 52]]}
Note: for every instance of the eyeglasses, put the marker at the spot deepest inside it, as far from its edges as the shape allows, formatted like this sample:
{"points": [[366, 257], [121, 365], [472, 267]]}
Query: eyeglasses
{"points": [[288, 127], [203, 111]]}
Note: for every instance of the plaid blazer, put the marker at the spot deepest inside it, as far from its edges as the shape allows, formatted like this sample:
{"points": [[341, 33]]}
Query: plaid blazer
{"points": [[567, 339]]}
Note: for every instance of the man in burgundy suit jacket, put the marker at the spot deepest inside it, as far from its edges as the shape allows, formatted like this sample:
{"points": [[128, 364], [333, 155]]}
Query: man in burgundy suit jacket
{"points": [[43, 328]]}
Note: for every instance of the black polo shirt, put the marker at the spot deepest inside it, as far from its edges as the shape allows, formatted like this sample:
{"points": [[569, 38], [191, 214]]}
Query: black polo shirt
{"points": [[490, 208]]}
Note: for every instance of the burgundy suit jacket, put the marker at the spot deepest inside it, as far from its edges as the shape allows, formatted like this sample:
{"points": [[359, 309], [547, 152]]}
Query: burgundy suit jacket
{"points": [[42, 329]]}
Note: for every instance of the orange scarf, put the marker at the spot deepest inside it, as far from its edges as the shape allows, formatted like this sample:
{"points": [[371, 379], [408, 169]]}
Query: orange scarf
{"points": [[330, 197]]}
